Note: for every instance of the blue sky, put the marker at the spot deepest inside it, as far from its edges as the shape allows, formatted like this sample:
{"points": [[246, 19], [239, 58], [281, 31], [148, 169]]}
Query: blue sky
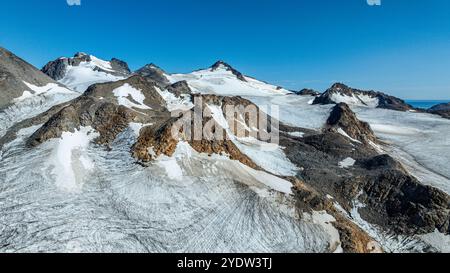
{"points": [[401, 47]]}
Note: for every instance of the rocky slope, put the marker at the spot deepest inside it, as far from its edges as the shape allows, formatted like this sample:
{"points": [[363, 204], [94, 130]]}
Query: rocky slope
{"points": [[19, 79], [155, 73], [441, 109], [342, 93]]}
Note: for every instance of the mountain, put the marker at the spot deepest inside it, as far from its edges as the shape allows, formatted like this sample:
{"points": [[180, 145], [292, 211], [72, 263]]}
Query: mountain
{"points": [[307, 92], [222, 79], [83, 70], [442, 109], [342, 93], [153, 72], [24, 90], [215, 161]]}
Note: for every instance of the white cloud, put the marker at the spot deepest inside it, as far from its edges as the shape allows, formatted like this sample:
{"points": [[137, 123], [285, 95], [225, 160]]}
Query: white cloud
{"points": [[374, 2], [74, 2]]}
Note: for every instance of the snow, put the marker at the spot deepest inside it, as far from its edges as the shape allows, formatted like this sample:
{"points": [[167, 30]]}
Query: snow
{"points": [[325, 220], [218, 115], [171, 166], [417, 140], [296, 134], [348, 162], [294, 110], [183, 103], [80, 77], [105, 65], [355, 99], [342, 132], [439, 240], [125, 91], [224, 82], [136, 127], [269, 156], [67, 156], [46, 90], [34, 101]]}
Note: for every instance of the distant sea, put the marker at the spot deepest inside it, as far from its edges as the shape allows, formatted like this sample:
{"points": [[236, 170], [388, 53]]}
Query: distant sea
{"points": [[425, 104]]}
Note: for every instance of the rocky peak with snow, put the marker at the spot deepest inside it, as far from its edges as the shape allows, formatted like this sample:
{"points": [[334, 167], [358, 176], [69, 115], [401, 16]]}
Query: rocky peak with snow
{"points": [[221, 65], [344, 121], [307, 92], [155, 73], [82, 70], [340, 92]]}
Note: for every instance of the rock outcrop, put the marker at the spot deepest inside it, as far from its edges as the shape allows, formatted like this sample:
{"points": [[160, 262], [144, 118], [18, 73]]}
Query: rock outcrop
{"points": [[442, 109], [342, 117], [154, 73], [342, 93], [179, 88], [307, 92]]}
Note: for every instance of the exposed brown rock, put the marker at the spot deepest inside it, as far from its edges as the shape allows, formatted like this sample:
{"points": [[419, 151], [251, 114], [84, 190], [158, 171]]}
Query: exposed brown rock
{"points": [[343, 117], [353, 238]]}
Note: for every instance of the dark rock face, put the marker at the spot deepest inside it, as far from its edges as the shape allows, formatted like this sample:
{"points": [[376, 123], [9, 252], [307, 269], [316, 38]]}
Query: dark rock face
{"points": [[384, 101], [307, 92], [13, 72], [179, 88], [393, 199], [57, 69], [154, 73], [343, 117], [120, 66], [442, 109], [219, 64]]}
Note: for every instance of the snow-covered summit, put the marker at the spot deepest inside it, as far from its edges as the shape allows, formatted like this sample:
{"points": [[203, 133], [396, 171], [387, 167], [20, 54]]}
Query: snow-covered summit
{"points": [[83, 70], [222, 79]]}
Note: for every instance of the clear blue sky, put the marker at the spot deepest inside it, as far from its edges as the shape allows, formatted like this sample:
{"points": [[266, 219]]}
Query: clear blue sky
{"points": [[401, 47]]}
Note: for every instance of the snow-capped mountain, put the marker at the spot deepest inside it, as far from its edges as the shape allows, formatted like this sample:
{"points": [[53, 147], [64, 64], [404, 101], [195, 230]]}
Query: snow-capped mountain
{"points": [[329, 182], [342, 93], [223, 79], [83, 70]]}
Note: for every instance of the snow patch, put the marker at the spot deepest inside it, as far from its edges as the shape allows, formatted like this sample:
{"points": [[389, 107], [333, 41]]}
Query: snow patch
{"points": [[69, 159], [342, 132], [125, 91], [48, 89], [325, 220], [348, 162], [296, 134]]}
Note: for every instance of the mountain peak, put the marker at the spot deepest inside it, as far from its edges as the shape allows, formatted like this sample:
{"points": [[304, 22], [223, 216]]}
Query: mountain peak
{"points": [[219, 64], [339, 86], [155, 73]]}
